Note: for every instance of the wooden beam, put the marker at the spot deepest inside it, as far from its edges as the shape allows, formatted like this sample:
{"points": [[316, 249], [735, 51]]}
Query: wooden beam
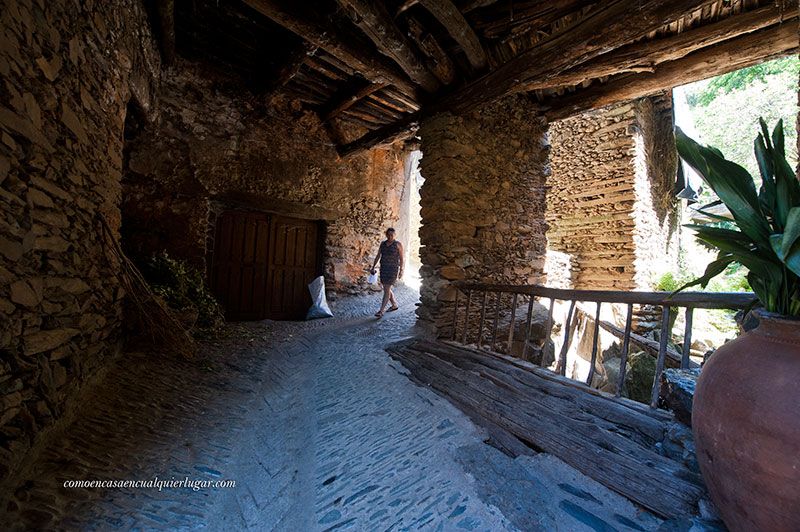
{"points": [[348, 99], [166, 28], [645, 56], [438, 61], [741, 52], [322, 34], [459, 29], [511, 19], [611, 25], [375, 21]]}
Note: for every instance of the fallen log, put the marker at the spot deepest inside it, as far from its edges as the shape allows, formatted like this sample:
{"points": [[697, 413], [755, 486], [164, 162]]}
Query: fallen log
{"points": [[554, 418]]}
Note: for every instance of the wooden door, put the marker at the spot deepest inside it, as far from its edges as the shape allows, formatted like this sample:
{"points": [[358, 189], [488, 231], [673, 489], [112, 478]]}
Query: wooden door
{"points": [[294, 262], [261, 265]]}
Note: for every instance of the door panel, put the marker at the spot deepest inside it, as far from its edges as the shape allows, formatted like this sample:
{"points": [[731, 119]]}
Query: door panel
{"points": [[294, 264], [262, 264]]}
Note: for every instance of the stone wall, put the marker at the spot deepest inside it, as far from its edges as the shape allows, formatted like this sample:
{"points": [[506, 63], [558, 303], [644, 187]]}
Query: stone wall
{"points": [[482, 202], [610, 204], [69, 70], [218, 146]]}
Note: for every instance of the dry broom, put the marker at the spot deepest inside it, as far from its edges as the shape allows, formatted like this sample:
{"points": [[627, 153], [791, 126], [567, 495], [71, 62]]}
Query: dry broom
{"points": [[158, 319]]}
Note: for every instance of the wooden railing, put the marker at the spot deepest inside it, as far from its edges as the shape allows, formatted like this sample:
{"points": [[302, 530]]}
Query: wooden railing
{"points": [[519, 294]]}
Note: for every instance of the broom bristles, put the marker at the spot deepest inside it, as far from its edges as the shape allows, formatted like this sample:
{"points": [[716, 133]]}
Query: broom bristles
{"points": [[158, 319]]}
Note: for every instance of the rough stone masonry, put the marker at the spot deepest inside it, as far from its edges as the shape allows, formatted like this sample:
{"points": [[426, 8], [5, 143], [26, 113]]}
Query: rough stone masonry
{"points": [[482, 201], [92, 126]]}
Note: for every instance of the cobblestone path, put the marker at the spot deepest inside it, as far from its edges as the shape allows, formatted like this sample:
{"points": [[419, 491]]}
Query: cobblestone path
{"points": [[319, 429]]}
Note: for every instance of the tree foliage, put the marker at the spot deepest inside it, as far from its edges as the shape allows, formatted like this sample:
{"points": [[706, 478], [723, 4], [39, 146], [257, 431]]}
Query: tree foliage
{"points": [[745, 78]]}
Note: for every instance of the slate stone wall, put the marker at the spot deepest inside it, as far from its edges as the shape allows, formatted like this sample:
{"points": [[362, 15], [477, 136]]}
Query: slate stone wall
{"points": [[610, 203], [218, 146], [482, 202], [69, 71]]}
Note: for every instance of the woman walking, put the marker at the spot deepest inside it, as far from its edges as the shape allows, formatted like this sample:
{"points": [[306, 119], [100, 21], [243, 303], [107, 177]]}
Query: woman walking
{"points": [[390, 255]]}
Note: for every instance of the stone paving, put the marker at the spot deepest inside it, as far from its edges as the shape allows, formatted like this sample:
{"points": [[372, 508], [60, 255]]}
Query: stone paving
{"points": [[320, 430]]}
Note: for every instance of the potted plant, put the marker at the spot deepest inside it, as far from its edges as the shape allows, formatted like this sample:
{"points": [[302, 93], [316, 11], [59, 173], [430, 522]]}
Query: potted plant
{"points": [[746, 413]]}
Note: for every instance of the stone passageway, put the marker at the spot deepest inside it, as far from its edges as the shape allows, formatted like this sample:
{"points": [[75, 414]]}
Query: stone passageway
{"points": [[320, 430]]}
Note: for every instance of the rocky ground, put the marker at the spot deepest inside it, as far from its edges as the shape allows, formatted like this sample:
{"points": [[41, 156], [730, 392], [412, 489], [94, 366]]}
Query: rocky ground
{"points": [[320, 430]]}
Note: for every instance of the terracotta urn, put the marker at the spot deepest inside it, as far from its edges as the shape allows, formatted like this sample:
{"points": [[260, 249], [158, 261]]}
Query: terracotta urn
{"points": [[746, 424]]}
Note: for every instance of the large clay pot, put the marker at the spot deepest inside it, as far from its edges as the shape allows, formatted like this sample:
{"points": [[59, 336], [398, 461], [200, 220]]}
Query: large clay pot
{"points": [[746, 424]]}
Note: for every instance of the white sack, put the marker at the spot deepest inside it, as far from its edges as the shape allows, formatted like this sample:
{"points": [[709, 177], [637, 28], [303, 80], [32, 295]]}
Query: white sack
{"points": [[319, 303]]}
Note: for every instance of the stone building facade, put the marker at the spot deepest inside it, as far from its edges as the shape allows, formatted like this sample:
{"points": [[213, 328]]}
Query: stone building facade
{"points": [[610, 204], [217, 146], [482, 203]]}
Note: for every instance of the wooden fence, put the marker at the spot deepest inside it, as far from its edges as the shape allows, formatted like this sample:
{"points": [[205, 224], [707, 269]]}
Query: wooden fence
{"points": [[490, 309]]}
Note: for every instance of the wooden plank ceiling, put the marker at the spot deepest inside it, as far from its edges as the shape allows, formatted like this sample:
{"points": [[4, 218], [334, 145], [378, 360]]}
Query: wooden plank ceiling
{"points": [[372, 69]]}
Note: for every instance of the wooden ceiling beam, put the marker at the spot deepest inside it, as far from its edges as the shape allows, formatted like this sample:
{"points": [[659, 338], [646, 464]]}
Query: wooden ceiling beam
{"points": [[645, 56], [346, 100], [322, 34], [438, 61], [611, 25], [740, 52], [375, 21], [459, 29]]}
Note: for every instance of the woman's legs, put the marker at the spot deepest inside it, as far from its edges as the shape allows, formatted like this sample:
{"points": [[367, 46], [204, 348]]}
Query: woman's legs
{"points": [[392, 300], [387, 294]]}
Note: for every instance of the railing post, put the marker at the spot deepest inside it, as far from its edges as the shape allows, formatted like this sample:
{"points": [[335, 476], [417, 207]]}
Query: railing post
{"points": [[687, 338], [513, 319], [548, 332], [497, 298], [626, 343], [527, 328], [662, 353], [455, 315], [562, 358], [595, 340], [466, 318], [483, 318]]}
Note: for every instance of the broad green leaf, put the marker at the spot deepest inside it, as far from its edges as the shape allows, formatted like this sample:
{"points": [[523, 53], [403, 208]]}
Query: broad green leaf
{"points": [[792, 260], [791, 232], [730, 182], [778, 139], [713, 269]]}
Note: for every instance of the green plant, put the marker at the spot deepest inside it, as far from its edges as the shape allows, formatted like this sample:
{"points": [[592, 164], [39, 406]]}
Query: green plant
{"points": [[182, 288], [766, 234]]}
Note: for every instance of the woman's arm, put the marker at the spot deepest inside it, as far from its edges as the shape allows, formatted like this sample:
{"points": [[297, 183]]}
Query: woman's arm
{"points": [[402, 259], [375, 262]]}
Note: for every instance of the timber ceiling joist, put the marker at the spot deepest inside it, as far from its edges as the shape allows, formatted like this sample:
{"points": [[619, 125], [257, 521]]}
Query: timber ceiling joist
{"points": [[372, 69]]}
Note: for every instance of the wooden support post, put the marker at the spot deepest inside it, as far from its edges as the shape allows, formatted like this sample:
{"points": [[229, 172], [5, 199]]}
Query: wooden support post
{"points": [[548, 334], [595, 343], [527, 328], [687, 338], [662, 353], [455, 315], [497, 298], [511, 326], [466, 318], [562, 358], [165, 10], [626, 344], [483, 318]]}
